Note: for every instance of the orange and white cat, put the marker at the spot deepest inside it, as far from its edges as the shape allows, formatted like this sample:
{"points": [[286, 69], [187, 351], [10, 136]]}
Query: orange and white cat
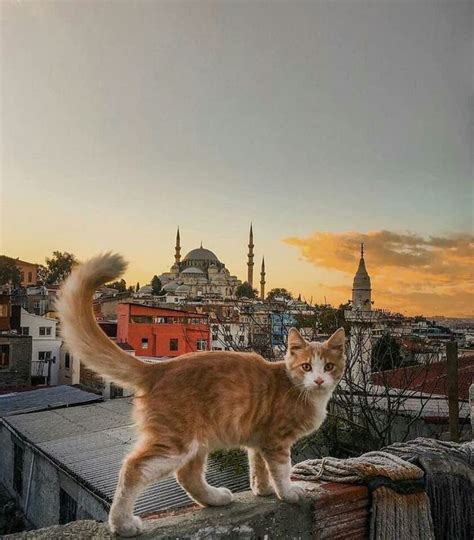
{"points": [[199, 402]]}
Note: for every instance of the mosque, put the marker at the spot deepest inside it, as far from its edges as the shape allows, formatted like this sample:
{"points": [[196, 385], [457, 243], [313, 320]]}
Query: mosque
{"points": [[201, 274]]}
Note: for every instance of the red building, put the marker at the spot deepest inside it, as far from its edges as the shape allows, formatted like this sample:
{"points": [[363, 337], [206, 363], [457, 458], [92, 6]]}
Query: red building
{"points": [[153, 331]]}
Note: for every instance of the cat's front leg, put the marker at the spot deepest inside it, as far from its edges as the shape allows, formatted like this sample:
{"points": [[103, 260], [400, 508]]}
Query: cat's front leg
{"points": [[259, 477], [278, 461]]}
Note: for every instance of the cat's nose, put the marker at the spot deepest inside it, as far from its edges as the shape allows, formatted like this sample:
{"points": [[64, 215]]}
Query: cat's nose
{"points": [[319, 381]]}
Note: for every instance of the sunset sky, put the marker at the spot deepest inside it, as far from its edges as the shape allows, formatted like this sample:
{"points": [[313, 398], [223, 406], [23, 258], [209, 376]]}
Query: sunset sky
{"points": [[323, 123]]}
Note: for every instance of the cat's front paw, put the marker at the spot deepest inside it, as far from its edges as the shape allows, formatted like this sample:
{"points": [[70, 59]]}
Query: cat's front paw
{"points": [[294, 494]]}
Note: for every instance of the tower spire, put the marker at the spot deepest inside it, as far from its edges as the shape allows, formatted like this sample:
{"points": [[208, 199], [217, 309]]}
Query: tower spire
{"points": [[262, 280], [250, 258], [361, 288], [177, 249]]}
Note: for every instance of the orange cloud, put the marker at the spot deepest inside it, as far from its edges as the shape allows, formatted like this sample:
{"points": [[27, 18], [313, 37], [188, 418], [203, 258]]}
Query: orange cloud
{"points": [[410, 273]]}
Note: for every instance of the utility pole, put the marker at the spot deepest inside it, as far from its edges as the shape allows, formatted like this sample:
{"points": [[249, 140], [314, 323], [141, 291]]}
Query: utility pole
{"points": [[452, 379]]}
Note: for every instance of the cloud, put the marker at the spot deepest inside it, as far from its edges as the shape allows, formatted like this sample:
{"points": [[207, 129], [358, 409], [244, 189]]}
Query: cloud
{"points": [[410, 273]]}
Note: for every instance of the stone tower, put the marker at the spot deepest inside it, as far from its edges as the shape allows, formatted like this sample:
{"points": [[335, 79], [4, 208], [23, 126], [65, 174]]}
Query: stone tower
{"points": [[250, 259], [177, 249], [361, 289], [262, 280], [362, 319]]}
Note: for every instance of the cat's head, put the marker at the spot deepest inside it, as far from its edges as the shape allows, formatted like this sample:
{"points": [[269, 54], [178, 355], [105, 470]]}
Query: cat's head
{"points": [[316, 366]]}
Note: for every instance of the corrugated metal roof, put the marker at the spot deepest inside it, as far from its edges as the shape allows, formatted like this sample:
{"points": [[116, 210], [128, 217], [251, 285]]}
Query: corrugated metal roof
{"points": [[44, 398], [91, 441]]}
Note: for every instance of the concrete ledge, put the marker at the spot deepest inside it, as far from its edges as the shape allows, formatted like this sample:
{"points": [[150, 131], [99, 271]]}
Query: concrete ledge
{"points": [[249, 517]]}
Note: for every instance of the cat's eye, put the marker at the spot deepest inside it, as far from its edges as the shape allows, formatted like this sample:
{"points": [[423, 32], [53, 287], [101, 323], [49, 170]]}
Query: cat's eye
{"points": [[306, 367], [329, 367]]}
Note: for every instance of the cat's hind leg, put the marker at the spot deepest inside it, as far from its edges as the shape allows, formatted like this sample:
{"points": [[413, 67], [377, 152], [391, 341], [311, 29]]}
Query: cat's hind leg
{"points": [[192, 478], [143, 465], [259, 477]]}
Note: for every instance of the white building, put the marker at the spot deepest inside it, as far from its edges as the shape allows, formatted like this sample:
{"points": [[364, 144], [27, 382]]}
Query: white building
{"points": [[46, 346]]}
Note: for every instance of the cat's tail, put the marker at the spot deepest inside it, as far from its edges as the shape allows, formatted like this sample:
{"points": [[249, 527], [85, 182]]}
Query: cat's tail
{"points": [[83, 336]]}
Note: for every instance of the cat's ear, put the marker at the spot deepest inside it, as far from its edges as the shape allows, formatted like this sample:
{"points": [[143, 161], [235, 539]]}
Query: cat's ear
{"points": [[295, 340], [337, 340]]}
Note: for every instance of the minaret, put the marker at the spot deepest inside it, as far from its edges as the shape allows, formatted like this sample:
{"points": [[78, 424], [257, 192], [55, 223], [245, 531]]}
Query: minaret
{"points": [[262, 280], [177, 249], [250, 259], [362, 320], [361, 289]]}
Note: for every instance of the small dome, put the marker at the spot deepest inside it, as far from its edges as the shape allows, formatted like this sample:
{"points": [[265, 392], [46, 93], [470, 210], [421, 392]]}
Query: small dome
{"points": [[183, 288], [171, 286], [192, 270], [201, 254], [146, 289]]}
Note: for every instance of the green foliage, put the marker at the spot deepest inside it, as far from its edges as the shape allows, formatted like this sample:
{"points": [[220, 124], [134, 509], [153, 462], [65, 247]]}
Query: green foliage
{"points": [[245, 290], [386, 354], [337, 437], [137, 287], [279, 293], [235, 459], [42, 274], [120, 286], [59, 266], [9, 272], [330, 319], [156, 286]]}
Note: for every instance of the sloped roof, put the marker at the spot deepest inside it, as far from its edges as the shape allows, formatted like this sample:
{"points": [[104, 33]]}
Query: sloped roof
{"points": [[90, 443], [44, 398], [429, 378]]}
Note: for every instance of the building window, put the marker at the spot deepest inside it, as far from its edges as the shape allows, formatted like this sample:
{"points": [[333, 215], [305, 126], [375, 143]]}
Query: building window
{"points": [[18, 456], [201, 345], [22, 276], [45, 331], [25, 330], [67, 360], [173, 344], [30, 277], [44, 356], [144, 343], [4, 356], [67, 507]]}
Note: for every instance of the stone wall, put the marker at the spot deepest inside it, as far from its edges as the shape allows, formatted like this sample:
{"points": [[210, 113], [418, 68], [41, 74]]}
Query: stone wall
{"points": [[39, 500], [18, 373], [333, 511]]}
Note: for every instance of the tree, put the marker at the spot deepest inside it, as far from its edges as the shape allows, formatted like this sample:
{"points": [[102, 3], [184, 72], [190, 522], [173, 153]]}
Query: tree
{"points": [[155, 286], [245, 290], [386, 354], [120, 286], [9, 272], [42, 274], [59, 266], [279, 293], [137, 287], [330, 318]]}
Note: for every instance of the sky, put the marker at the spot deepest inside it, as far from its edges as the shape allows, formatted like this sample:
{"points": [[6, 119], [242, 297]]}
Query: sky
{"points": [[323, 123]]}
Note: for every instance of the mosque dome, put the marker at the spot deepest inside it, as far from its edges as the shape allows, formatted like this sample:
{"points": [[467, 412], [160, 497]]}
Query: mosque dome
{"points": [[192, 270], [183, 289], [171, 286], [201, 254]]}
